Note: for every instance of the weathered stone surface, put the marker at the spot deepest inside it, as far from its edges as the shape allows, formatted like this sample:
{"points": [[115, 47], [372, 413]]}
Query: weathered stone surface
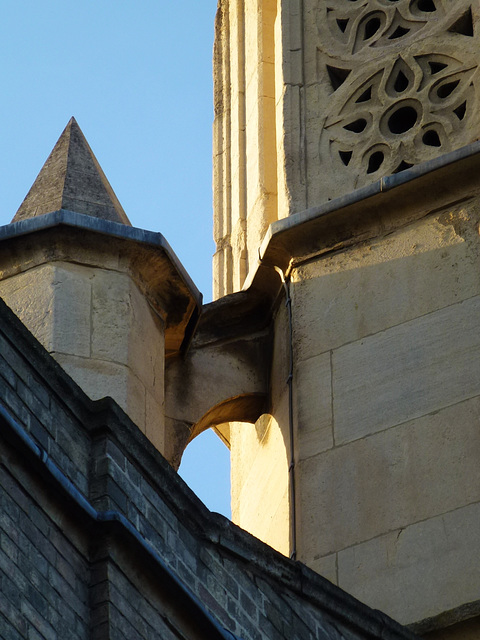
{"points": [[326, 566], [389, 481], [111, 310], [210, 376], [416, 368], [280, 365], [417, 571], [101, 378], [313, 384], [224, 376], [72, 179], [147, 345], [245, 153], [29, 295], [375, 285], [125, 329], [54, 302], [71, 295], [466, 630], [259, 468], [100, 328], [260, 455], [155, 420]]}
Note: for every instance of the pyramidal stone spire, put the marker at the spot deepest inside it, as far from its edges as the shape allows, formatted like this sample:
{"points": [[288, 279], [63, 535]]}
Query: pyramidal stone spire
{"points": [[72, 179]]}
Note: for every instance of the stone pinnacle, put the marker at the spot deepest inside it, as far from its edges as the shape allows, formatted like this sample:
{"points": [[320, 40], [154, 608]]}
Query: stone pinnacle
{"points": [[72, 179]]}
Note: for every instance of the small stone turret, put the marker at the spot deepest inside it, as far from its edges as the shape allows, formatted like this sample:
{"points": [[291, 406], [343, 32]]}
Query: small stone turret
{"points": [[108, 301]]}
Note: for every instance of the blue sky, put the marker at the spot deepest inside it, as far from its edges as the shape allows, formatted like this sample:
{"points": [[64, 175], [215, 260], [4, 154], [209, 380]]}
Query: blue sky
{"points": [[137, 76]]}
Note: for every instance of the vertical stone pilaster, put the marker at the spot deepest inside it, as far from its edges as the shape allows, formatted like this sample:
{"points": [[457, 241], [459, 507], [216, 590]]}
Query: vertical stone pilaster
{"points": [[245, 137]]}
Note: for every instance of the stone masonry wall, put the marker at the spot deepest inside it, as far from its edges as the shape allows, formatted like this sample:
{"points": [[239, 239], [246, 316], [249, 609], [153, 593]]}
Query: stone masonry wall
{"points": [[387, 403], [317, 98], [94, 527], [260, 456], [99, 327]]}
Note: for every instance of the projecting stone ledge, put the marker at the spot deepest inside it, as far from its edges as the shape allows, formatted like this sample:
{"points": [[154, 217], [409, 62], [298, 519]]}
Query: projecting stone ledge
{"points": [[71, 179]]}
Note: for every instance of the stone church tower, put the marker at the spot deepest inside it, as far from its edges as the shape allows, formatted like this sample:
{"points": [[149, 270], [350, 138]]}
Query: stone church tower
{"points": [[339, 360], [346, 164]]}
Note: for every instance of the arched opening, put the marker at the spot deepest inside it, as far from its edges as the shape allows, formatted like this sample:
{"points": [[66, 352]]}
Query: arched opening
{"points": [[205, 467], [206, 461], [248, 483]]}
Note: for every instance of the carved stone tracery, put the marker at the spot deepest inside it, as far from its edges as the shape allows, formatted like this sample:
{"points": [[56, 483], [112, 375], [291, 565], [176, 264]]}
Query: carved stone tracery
{"points": [[358, 24], [402, 77], [399, 114]]}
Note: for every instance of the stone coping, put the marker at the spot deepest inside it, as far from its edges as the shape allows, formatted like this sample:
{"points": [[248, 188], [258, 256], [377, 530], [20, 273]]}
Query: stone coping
{"points": [[363, 214], [371, 210], [159, 267]]}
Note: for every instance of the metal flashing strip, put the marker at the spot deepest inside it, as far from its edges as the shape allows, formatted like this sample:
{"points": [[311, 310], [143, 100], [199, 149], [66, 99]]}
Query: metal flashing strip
{"points": [[18, 433]]}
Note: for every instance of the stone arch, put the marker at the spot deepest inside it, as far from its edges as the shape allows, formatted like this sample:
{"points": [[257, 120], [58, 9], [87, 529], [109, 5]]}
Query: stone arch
{"points": [[245, 408]]}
